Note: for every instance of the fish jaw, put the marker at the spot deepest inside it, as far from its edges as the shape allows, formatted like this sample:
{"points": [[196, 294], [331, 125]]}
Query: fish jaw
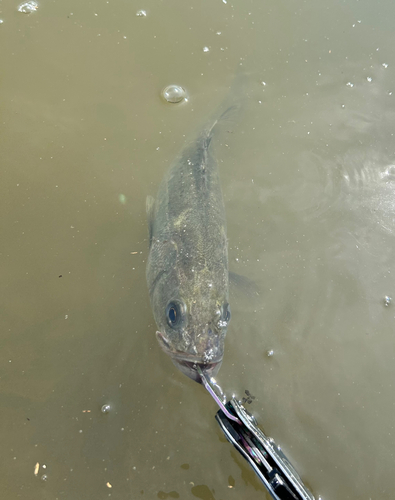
{"points": [[187, 363], [189, 368]]}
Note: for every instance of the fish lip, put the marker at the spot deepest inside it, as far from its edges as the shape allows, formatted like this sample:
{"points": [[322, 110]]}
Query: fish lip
{"points": [[188, 368], [187, 363]]}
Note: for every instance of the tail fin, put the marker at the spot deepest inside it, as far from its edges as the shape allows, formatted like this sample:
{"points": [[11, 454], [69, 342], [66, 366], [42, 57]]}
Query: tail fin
{"points": [[226, 115], [232, 105]]}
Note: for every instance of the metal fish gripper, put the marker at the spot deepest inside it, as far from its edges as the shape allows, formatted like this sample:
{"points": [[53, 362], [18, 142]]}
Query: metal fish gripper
{"points": [[265, 457]]}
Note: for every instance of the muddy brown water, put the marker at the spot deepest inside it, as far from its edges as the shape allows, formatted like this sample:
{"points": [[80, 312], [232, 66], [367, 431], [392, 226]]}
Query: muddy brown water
{"points": [[308, 174]]}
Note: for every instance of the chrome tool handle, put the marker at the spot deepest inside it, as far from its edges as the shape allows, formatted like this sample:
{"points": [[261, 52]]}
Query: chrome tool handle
{"points": [[265, 457]]}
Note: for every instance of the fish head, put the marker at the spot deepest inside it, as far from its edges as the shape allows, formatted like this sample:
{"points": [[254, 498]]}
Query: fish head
{"points": [[192, 328]]}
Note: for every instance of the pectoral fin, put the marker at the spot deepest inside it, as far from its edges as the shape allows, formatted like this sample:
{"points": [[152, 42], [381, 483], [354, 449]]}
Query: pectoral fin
{"points": [[246, 285], [150, 207]]}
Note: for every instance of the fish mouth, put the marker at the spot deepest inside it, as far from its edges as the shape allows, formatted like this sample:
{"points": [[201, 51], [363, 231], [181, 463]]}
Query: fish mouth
{"points": [[189, 368], [188, 363]]}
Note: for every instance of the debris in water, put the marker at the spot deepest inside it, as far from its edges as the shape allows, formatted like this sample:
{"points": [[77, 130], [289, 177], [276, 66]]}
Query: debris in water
{"points": [[109, 485], [36, 468], [249, 397], [387, 301]]}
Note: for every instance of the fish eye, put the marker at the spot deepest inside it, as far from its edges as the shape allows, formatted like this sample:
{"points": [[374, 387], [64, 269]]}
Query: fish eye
{"points": [[174, 313], [225, 312]]}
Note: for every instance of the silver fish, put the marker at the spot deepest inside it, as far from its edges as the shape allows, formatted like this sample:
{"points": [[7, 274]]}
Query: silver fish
{"points": [[187, 268]]}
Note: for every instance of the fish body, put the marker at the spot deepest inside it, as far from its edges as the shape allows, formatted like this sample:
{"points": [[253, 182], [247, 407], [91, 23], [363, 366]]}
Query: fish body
{"points": [[187, 267]]}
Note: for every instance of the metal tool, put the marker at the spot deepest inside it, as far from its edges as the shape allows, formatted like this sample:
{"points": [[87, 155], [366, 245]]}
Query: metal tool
{"points": [[265, 457]]}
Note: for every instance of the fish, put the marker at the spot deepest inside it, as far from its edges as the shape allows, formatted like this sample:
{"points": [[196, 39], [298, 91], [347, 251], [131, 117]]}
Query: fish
{"points": [[187, 266]]}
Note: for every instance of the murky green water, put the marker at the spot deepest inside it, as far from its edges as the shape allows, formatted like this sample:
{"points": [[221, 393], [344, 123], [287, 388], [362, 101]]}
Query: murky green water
{"points": [[308, 175]]}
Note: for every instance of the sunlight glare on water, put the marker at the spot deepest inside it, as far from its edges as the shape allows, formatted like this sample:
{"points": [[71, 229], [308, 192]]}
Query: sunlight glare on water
{"points": [[28, 7]]}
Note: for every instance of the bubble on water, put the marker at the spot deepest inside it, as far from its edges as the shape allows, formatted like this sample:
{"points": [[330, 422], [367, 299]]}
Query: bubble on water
{"points": [[387, 300], [206, 49], [28, 7], [174, 94], [1, 21], [263, 84], [349, 84], [270, 352], [385, 65], [105, 408], [343, 105], [44, 477], [369, 79], [141, 13]]}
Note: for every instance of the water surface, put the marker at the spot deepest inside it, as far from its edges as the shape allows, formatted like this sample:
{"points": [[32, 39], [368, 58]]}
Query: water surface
{"points": [[308, 173]]}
